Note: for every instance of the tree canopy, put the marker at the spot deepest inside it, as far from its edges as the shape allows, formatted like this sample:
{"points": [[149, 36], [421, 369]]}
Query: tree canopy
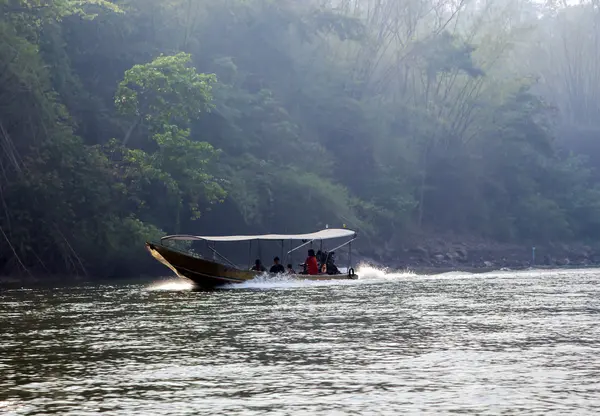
{"points": [[124, 120]]}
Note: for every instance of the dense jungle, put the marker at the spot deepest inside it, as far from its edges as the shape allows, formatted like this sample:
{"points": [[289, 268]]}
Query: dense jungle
{"points": [[415, 122]]}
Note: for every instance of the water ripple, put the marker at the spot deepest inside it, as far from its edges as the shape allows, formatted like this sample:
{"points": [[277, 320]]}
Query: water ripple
{"points": [[518, 343]]}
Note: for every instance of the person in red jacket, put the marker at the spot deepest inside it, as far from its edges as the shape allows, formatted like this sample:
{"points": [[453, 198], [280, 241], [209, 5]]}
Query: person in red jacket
{"points": [[311, 263]]}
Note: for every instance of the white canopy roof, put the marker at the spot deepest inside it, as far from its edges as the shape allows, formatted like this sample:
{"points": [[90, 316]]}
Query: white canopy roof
{"points": [[326, 234]]}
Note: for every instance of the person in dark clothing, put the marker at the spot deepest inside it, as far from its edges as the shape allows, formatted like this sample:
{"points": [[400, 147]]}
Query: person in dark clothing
{"points": [[277, 267], [258, 267], [290, 269], [331, 267], [321, 257]]}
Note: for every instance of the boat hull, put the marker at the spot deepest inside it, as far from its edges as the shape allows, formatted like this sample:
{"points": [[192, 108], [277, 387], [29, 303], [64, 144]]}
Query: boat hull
{"points": [[207, 274]]}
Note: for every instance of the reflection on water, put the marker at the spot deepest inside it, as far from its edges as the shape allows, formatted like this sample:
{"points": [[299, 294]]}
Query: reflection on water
{"points": [[172, 284], [520, 343]]}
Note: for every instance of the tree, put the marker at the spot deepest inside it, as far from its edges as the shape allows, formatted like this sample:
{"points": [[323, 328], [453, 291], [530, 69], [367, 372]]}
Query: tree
{"points": [[163, 92]]}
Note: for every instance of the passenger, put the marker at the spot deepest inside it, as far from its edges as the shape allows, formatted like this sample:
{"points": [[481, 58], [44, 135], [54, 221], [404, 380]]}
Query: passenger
{"points": [[258, 267], [321, 257], [311, 263], [290, 270], [276, 267], [331, 267]]}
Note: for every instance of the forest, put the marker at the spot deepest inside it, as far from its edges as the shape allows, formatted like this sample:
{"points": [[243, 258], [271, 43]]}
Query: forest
{"points": [[122, 121]]}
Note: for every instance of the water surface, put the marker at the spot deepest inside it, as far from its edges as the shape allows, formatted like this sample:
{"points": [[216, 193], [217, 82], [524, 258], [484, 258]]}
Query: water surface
{"points": [[513, 343]]}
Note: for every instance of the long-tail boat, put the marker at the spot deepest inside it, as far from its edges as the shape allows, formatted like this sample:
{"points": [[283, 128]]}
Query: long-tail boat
{"points": [[218, 271]]}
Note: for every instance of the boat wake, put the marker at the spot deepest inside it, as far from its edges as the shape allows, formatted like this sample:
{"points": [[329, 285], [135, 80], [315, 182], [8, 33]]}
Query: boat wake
{"points": [[366, 273]]}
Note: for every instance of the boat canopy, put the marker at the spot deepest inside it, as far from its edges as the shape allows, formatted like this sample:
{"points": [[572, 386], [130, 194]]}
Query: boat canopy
{"points": [[326, 234]]}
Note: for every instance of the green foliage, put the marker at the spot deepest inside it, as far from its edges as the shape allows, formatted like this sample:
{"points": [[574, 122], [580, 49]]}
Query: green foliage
{"points": [[177, 169], [114, 128], [39, 12], [164, 91], [271, 195]]}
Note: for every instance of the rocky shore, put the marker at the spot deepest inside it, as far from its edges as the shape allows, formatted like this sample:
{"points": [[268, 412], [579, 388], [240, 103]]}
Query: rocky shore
{"points": [[464, 254]]}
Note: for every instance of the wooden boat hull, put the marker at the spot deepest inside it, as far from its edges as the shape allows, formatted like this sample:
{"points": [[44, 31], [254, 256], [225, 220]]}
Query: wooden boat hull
{"points": [[207, 274]]}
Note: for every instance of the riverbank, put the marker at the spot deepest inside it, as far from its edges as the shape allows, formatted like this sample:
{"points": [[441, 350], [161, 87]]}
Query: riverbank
{"points": [[464, 253]]}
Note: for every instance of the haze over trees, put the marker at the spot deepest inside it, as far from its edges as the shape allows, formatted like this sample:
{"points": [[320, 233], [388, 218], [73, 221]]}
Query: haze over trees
{"points": [[125, 120]]}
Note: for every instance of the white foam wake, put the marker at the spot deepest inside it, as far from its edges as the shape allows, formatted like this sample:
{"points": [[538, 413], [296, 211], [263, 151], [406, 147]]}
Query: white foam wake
{"points": [[366, 274]]}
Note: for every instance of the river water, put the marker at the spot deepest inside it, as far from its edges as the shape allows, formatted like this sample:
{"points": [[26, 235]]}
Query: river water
{"points": [[512, 343]]}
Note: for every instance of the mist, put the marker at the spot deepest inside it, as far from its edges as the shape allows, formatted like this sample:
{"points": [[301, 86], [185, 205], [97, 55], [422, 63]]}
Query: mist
{"points": [[445, 132]]}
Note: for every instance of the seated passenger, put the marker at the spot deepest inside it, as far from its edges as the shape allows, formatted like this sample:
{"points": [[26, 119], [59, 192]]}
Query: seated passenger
{"points": [[258, 267], [331, 267], [320, 257], [290, 270], [312, 267], [276, 267]]}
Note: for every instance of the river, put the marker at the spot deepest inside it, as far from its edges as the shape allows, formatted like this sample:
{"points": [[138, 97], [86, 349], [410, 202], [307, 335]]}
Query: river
{"points": [[514, 343]]}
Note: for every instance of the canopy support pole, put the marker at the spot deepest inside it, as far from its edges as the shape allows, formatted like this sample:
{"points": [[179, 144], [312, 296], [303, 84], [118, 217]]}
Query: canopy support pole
{"points": [[350, 254], [216, 253], [250, 255], [300, 246], [259, 252], [343, 245]]}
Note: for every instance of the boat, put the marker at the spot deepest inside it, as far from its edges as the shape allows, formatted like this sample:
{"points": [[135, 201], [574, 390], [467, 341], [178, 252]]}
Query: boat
{"points": [[219, 271]]}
